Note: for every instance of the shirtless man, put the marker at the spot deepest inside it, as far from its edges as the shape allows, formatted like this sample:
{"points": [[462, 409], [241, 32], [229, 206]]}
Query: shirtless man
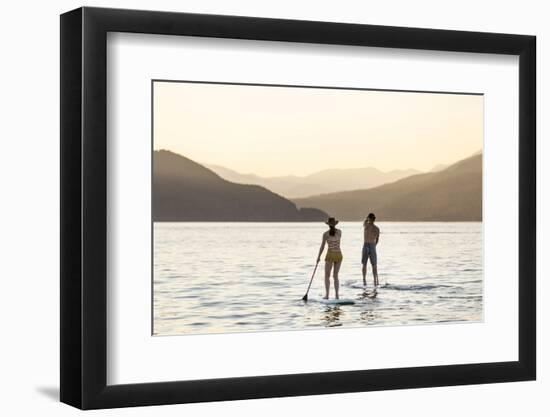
{"points": [[371, 237]]}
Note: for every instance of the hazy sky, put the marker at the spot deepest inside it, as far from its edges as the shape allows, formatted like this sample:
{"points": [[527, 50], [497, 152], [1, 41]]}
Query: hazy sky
{"points": [[272, 131]]}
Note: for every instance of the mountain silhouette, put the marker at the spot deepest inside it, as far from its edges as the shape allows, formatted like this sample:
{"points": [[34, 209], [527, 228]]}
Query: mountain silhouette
{"points": [[452, 194], [322, 182], [184, 190]]}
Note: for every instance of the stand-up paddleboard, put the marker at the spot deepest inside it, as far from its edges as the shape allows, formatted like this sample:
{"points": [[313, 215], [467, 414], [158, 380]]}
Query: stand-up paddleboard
{"points": [[340, 302]]}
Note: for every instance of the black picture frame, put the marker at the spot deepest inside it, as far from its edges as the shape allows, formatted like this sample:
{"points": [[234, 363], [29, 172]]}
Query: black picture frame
{"points": [[84, 207]]}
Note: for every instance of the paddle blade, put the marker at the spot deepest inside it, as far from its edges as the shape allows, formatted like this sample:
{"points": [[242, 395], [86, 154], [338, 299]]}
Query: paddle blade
{"points": [[304, 297]]}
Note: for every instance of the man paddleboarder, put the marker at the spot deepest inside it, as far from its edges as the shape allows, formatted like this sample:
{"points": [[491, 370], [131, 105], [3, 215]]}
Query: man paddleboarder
{"points": [[371, 235]]}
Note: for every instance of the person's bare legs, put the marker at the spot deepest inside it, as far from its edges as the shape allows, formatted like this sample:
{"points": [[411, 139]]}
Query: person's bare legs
{"points": [[336, 281], [364, 270], [375, 275], [328, 268]]}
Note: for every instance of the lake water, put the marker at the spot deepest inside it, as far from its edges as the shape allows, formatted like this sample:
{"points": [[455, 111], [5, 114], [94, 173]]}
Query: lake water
{"points": [[238, 277]]}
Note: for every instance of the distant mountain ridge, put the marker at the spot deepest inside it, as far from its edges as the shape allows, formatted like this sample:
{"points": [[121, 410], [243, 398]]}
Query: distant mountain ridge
{"points": [[451, 194], [184, 190], [322, 182], [441, 167]]}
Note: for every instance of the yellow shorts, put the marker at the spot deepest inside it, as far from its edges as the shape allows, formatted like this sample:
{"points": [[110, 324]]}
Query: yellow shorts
{"points": [[333, 256]]}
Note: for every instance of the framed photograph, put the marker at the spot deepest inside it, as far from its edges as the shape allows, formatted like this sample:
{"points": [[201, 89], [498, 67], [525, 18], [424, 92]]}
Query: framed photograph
{"points": [[257, 207]]}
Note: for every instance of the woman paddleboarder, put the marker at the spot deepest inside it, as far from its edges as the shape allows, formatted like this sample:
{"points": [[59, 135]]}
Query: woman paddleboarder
{"points": [[334, 257]]}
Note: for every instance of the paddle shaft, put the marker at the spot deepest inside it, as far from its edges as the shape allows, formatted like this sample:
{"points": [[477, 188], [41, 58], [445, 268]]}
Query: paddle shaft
{"points": [[311, 280]]}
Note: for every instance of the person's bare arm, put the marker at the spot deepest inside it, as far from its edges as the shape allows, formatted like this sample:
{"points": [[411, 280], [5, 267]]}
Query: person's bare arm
{"points": [[322, 246], [377, 235]]}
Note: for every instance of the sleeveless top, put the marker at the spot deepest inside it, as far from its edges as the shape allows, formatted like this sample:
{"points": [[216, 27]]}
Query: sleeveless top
{"points": [[334, 241]]}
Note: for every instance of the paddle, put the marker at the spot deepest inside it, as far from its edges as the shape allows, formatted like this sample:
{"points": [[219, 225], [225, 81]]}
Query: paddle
{"points": [[310, 281]]}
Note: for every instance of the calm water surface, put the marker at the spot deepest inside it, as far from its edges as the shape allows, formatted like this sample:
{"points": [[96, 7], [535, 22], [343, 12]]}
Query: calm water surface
{"points": [[235, 277]]}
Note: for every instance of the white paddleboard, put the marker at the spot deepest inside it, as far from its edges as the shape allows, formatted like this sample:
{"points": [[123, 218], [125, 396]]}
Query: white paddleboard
{"points": [[341, 301]]}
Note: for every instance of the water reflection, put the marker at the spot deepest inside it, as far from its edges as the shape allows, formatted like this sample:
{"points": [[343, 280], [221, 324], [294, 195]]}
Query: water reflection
{"points": [[331, 316], [367, 294], [367, 316]]}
